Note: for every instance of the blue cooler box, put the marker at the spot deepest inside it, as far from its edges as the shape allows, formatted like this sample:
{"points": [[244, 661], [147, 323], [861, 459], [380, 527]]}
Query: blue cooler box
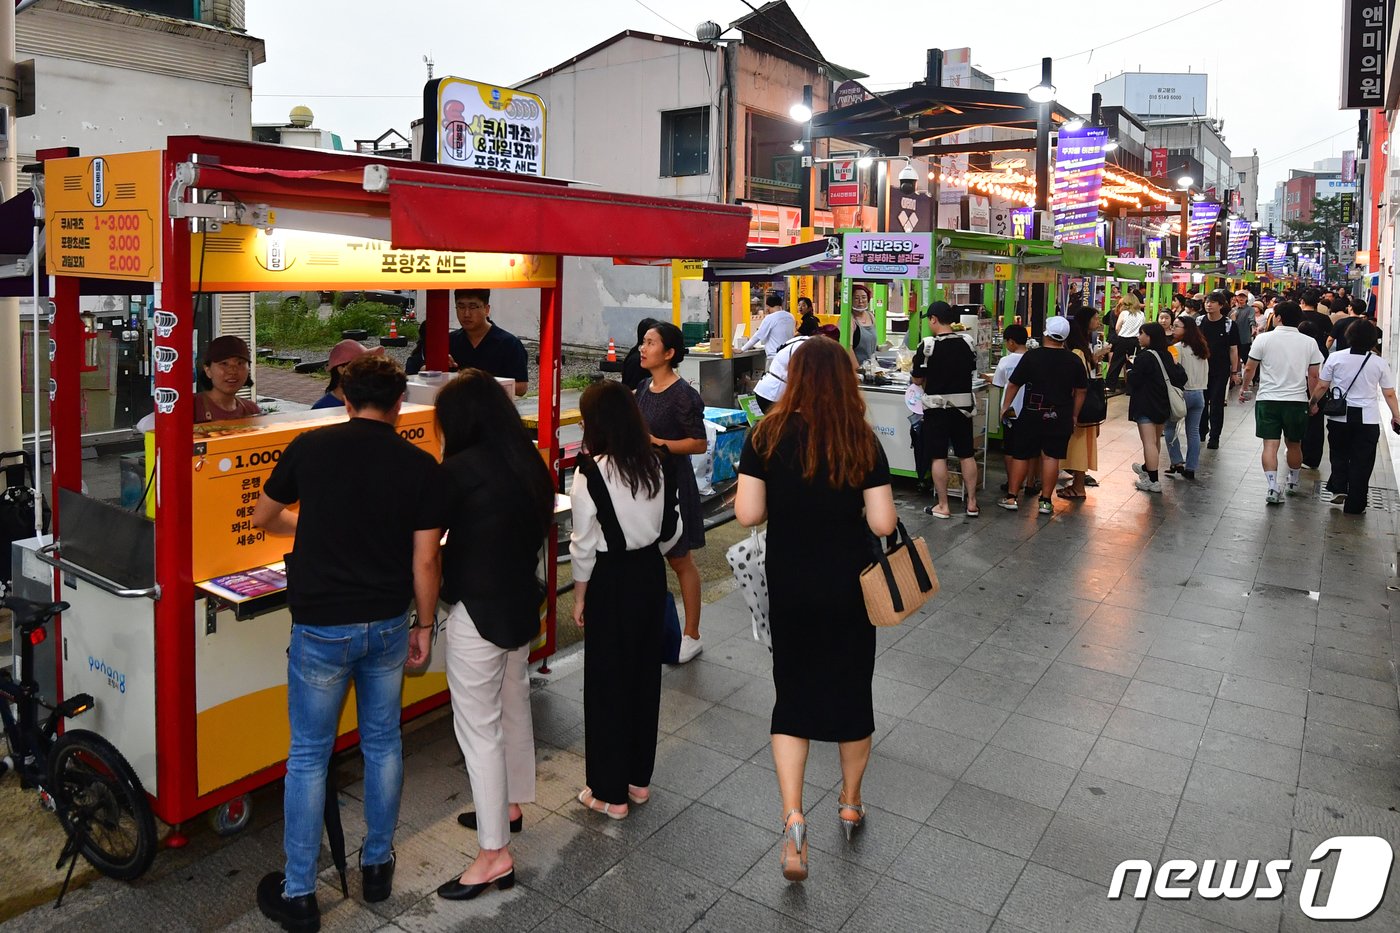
{"points": [[733, 425]]}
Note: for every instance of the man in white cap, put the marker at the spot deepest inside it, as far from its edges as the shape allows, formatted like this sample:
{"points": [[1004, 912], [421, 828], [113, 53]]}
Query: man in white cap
{"points": [[1055, 381]]}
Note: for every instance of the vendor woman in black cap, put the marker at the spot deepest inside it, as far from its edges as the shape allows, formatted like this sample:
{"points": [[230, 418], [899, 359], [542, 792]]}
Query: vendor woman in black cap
{"points": [[224, 371]]}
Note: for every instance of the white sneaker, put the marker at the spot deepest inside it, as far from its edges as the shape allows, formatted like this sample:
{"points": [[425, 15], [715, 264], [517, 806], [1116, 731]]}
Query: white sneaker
{"points": [[1140, 470], [1274, 497], [1292, 489], [1147, 485], [690, 649]]}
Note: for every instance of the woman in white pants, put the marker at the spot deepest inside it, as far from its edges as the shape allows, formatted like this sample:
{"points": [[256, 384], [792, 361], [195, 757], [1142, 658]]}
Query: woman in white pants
{"points": [[502, 505]]}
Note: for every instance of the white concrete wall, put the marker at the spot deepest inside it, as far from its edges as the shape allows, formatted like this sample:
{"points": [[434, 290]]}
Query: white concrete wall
{"points": [[604, 116], [601, 300], [104, 109]]}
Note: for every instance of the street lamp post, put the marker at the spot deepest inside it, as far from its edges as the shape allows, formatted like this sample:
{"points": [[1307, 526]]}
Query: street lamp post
{"points": [[803, 114], [1043, 93]]}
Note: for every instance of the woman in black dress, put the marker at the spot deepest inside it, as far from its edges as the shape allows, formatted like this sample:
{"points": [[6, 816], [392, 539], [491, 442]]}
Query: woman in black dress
{"points": [[675, 415], [815, 471]]}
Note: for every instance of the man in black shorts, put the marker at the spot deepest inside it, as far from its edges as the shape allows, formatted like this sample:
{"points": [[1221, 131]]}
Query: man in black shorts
{"points": [[1055, 381], [945, 367]]}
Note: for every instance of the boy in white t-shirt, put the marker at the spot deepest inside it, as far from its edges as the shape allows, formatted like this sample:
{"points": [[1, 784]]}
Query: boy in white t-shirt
{"points": [[1014, 339], [1288, 371]]}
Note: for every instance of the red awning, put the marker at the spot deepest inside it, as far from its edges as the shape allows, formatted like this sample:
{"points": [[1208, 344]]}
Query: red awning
{"points": [[436, 207]]}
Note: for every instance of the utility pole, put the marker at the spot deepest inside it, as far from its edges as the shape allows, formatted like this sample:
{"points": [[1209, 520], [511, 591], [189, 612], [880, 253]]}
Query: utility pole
{"points": [[1039, 309], [11, 424]]}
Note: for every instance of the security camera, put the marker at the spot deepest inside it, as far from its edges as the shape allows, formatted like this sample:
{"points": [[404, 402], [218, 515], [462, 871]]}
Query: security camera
{"points": [[908, 178]]}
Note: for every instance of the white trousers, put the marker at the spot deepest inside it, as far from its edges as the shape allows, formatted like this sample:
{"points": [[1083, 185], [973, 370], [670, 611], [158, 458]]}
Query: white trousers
{"points": [[491, 715]]}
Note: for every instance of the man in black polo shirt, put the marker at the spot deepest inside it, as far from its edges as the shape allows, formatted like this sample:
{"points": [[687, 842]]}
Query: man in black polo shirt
{"points": [[480, 344], [1317, 324], [945, 367], [365, 546], [1224, 342]]}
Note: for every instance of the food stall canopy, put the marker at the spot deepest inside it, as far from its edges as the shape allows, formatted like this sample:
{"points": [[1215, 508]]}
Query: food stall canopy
{"points": [[445, 208], [819, 257]]}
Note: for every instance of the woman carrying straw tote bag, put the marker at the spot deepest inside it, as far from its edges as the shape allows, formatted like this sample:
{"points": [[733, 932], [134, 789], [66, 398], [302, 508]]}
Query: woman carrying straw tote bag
{"points": [[814, 470]]}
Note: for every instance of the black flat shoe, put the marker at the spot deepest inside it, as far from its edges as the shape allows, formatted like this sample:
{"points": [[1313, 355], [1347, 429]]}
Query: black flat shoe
{"points": [[468, 820], [454, 890], [295, 915], [377, 881]]}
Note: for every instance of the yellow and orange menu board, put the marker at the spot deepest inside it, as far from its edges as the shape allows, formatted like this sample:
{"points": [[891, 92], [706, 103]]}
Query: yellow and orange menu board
{"points": [[102, 216], [232, 461]]}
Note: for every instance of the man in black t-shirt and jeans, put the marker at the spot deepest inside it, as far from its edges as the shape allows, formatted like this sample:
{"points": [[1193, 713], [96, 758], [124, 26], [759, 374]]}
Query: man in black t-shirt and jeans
{"points": [[1224, 365], [945, 368], [365, 546], [1055, 382]]}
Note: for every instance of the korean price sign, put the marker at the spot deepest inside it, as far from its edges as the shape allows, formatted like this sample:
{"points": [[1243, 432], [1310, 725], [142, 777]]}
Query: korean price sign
{"points": [[483, 126], [102, 216]]}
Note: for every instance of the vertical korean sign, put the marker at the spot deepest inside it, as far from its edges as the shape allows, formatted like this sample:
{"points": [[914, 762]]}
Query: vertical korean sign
{"points": [[1202, 220], [1364, 33], [102, 216], [1239, 240], [483, 126], [1079, 161], [1266, 253]]}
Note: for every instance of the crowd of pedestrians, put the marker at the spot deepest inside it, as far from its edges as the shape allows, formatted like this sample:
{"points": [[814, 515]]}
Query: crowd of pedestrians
{"points": [[468, 532]]}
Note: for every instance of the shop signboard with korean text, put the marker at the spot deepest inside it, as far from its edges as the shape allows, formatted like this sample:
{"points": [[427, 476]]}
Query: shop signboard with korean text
{"points": [[1266, 252], [1202, 218], [482, 126], [241, 258], [231, 461], [102, 216], [843, 187], [1239, 239], [1365, 28], [888, 256], [1079, 162]]}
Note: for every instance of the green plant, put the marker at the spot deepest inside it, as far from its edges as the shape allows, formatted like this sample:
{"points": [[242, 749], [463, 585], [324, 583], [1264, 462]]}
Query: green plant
{"points": [[579, 381]]}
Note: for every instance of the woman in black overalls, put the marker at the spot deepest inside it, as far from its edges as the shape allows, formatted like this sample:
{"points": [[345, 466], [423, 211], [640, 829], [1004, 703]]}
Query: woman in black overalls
{"points": [[624, 517]]}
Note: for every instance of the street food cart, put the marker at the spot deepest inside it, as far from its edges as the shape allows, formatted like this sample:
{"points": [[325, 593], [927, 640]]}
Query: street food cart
{"points": [[178, 623]]}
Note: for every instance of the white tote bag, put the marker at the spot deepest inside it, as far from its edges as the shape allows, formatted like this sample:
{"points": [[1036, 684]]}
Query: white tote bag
{"points": [[748, 560]]}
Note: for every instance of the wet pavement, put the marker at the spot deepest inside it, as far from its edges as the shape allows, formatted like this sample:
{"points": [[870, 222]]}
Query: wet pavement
{"points": [[1189, 675]]}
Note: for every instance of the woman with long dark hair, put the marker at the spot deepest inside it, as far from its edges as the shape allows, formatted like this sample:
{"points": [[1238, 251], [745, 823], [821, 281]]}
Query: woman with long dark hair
{"points": [[1365, 379], [625, 517], [1082, 455], [1150, 405], [675, 415], [814, 470], [502, 503], [1192, 353]]}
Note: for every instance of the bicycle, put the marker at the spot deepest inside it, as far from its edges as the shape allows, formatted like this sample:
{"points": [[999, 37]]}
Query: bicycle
{"points": [[80, 776]]}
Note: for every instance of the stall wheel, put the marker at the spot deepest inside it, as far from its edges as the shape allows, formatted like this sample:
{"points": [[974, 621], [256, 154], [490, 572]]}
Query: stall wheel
{"points": [[232, 816]]}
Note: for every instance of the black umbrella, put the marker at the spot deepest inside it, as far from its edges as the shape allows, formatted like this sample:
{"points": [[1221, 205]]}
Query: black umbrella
{"points": [[335, 833]]}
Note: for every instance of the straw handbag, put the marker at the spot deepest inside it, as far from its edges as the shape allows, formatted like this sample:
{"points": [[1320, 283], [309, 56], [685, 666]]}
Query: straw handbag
{"points": [[900, 580]]}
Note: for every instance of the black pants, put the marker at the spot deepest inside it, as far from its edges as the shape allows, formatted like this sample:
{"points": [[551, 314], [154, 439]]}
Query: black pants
{"points": [[1312, 441], [1213, 418], [1123, 347], [622, 670], [1352, 448]]}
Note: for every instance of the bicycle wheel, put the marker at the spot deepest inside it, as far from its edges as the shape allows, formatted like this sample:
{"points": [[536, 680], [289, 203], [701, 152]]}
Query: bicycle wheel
{"points": [[97, 794]]}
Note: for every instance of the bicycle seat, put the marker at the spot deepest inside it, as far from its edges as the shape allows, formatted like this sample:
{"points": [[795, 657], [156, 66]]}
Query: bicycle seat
{"points": [[29, 614]]}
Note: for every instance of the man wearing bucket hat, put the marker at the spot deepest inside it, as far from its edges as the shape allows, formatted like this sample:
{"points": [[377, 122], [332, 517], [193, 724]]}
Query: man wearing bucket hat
{"points": [[224, 371], [342, 353]]}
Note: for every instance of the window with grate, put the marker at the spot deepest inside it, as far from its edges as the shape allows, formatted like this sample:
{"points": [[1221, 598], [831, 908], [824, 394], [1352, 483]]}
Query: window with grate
{"points": [[685, 142]]}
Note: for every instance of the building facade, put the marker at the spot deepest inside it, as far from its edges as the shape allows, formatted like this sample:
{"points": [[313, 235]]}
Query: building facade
{"points": [[1246, 169]]}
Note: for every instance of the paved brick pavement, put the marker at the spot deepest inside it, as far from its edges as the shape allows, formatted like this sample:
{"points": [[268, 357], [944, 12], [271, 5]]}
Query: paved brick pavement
{"points": [[1185, 675]]}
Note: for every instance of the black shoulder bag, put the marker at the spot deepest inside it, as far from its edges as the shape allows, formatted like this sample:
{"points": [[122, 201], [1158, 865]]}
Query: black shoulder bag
{"points": [[1334, 404]]}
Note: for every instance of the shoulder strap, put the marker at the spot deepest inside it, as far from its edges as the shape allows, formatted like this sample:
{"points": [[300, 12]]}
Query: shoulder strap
{"points": [[1357, 373], [602, 501], [670, 498]]}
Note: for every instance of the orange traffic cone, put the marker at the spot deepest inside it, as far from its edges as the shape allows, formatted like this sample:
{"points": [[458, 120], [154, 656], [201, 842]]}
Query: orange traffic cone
{"points": [[393, 329], [612, 351]]}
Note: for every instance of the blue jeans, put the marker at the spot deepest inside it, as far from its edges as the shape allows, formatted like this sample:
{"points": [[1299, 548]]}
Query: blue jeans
{"points": [[1195, 405], [321, 662]]}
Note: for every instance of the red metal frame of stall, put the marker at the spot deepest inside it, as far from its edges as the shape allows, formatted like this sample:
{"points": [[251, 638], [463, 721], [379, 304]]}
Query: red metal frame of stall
{"points": [[414, 206]]}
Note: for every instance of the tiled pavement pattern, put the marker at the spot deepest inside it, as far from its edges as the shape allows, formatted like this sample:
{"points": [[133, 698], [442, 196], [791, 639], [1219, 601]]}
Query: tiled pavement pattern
{"points": [[1186, 675]]}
